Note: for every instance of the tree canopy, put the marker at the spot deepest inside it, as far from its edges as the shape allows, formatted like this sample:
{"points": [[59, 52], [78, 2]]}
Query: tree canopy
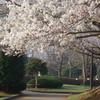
{"points": [[38, 24]]}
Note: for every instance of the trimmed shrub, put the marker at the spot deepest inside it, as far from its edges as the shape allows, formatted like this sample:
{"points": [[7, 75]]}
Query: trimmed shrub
{"points": [[47, 82]]}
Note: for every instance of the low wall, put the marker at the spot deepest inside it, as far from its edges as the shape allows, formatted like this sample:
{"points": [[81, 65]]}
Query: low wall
{"points": [[76, 81]]}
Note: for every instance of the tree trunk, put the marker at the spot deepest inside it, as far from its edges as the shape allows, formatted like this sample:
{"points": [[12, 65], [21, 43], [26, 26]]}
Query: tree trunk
{"points": [[61, 64], [91, 73], [58, 73], [87, 65], [36, 81], [84, 70], [70, 73]]}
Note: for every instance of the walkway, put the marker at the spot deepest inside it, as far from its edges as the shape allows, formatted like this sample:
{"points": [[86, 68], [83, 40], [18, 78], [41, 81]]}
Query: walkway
{"points": [[41, 96]]}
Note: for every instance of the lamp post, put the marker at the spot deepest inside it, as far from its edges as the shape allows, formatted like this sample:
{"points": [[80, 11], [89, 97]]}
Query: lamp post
{"points": [[36, 80]]}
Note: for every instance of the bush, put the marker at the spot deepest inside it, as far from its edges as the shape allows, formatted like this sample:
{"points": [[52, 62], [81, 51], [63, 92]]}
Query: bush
{"points": [[47, 82]]}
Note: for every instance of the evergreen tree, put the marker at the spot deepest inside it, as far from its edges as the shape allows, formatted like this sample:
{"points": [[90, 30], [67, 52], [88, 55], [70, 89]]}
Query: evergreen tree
{"points": [[35, 65], [11, 73]]}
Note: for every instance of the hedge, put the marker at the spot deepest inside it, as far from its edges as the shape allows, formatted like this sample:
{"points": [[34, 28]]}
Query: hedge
{"points": [[47, 82], [76, 81]]}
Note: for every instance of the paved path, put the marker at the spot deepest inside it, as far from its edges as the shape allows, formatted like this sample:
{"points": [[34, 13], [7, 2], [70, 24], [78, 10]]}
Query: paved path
{"points": [[41, 96]]}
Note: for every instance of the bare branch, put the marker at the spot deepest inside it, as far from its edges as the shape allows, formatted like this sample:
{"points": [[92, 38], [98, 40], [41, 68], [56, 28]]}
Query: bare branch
{"points": [[97, 57]]}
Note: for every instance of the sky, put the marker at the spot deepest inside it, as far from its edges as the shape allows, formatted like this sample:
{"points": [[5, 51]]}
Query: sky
{"points": [[2, 1]]}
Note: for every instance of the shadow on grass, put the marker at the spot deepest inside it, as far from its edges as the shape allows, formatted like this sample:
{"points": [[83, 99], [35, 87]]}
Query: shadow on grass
{"points": [[3, 96]]}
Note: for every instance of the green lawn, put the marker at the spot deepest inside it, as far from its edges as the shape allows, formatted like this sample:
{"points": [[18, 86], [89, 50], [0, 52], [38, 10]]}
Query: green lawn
{"points": [[64, 88]]}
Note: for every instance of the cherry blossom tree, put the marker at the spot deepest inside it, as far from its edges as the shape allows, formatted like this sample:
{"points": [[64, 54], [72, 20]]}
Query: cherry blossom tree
{"points": [[39, 24]]}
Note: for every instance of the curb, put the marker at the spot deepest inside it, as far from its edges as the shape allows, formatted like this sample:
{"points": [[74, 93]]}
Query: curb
{"points": [[13, 97], [55, 92]]}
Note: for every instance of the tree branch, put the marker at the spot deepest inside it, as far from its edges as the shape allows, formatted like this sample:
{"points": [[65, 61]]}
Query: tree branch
{"points": [[84, 32], [85, 36], [97, 57]]}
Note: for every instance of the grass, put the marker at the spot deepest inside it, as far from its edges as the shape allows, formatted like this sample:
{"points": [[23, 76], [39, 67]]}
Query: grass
{"points": [[4, 95], [64, 88], [93, 94], [76, 97]]}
